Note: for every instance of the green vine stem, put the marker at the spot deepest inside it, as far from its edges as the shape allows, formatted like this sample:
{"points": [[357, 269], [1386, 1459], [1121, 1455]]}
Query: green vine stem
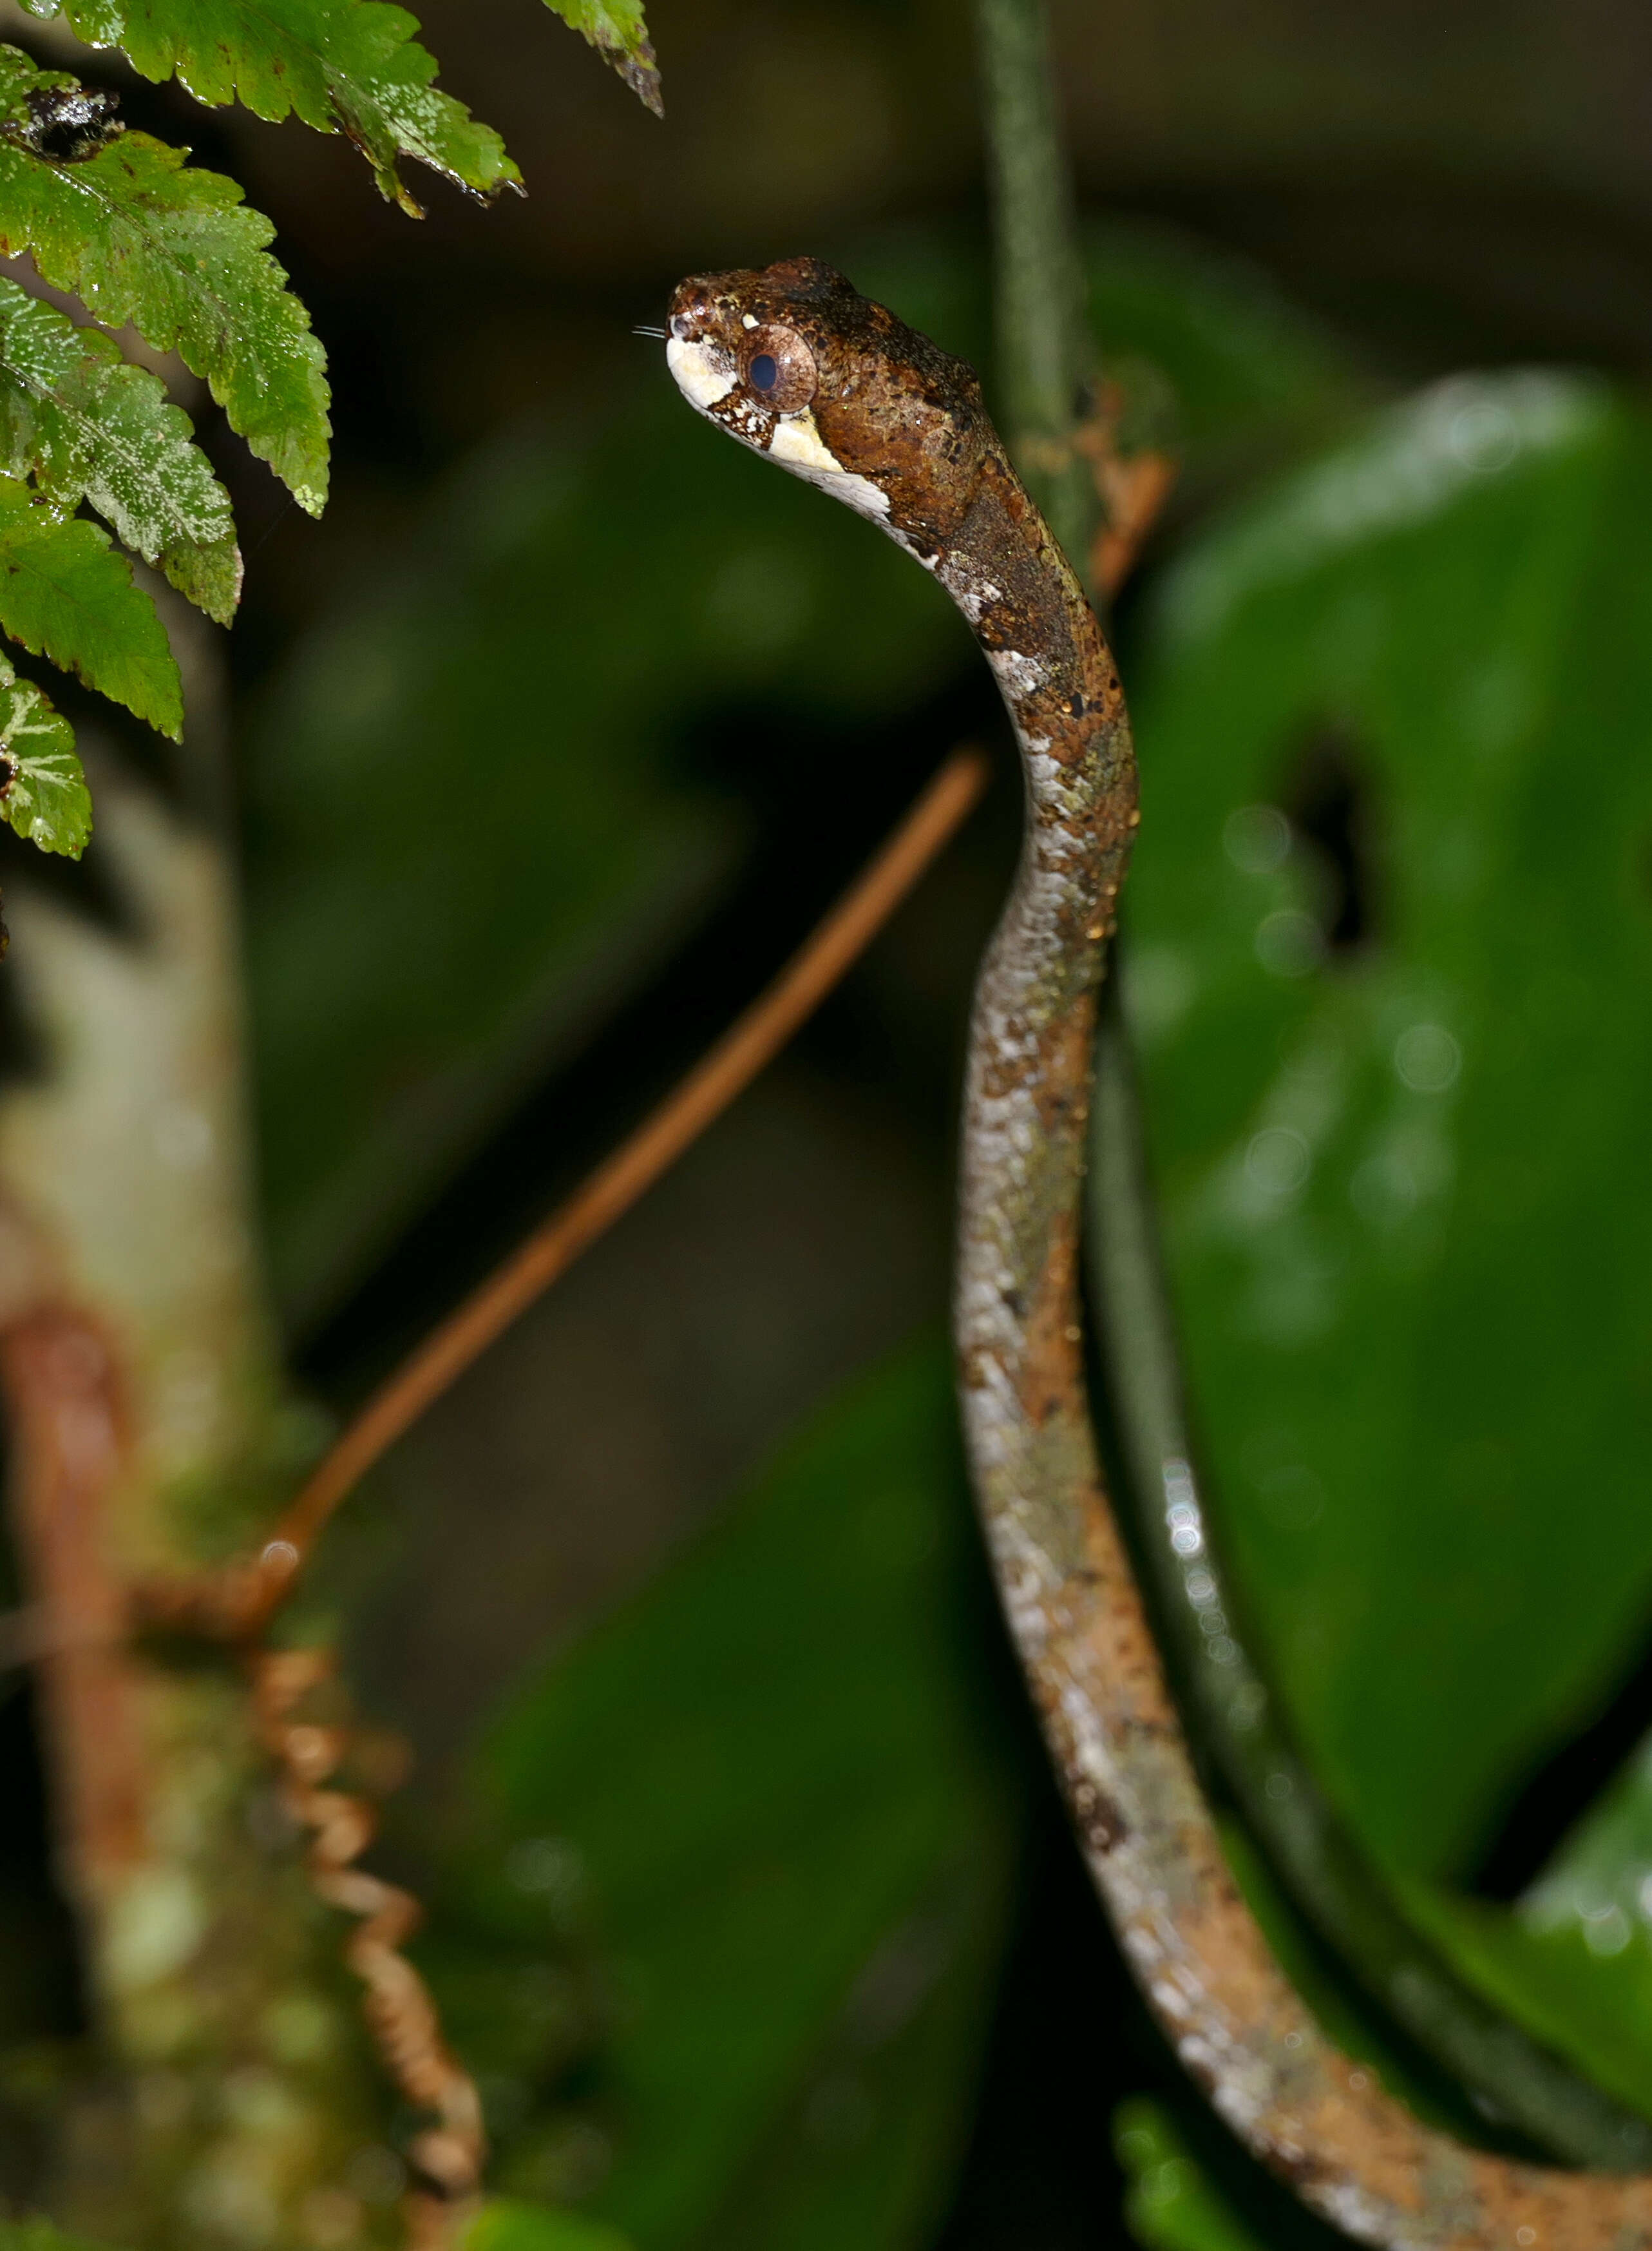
{"points": [[1044, 358]]}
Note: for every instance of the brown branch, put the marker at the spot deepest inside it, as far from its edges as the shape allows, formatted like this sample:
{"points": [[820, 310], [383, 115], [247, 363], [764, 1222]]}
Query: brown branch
{"points": [[731, 1066], [1131, 486], [64, 1408]]}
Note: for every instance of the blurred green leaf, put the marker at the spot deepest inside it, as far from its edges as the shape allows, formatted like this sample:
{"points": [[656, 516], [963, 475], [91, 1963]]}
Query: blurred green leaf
{"points": [[85, 425], [65, 593], [506, 2224], [38, 2234], [615, 28], [773, 1779], [1247, 371], [867, 2145], [1246, 377], [45, 797], [1400, 1177], [1169, 2205], [349, 66], [139, 235]]}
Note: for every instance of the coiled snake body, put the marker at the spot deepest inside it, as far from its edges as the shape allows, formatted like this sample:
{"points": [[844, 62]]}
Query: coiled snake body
{"points": [[797, 365]]}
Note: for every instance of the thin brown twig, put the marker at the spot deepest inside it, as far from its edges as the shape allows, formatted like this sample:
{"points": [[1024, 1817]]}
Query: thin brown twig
{"points": [[448, 2153], [617, 1183]]}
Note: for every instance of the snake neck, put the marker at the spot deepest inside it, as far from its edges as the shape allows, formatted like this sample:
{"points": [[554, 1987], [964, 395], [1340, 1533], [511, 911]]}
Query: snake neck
{"points": [[1061, 688], [1027, 1095]]}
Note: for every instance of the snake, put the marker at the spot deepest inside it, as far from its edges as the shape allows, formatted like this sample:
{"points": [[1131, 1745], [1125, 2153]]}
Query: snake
{"points": [[794, 364]]}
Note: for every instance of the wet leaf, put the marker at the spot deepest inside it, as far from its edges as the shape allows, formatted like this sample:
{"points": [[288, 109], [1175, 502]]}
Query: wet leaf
{"points": [[43, 791], [791, 1828], [139, 235], [615, 28], [1573, 1962], [65, 593], [84, 424], [342, 66], [1389, 943]]}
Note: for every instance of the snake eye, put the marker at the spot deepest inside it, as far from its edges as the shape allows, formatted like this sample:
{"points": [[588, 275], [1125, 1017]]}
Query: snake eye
{"points": [[780, 368]]}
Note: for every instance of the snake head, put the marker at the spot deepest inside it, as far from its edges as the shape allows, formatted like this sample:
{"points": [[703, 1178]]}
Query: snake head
{"points": [[797, 365]]}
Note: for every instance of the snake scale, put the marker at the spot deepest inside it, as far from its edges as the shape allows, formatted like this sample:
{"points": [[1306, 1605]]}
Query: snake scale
{"points": [[796, 364]]}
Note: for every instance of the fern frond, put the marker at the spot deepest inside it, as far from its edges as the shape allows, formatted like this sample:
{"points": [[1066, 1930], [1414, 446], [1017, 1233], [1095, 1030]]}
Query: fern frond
{"points": [[43, 791], [615, 28], [87, 425], [339, 65], [66, 593], [138, 234]]}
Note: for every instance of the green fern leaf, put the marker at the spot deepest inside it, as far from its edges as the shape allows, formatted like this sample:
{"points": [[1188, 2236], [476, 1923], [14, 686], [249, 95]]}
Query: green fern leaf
{"points": [[84, 424], [65, 593], [336, 63], [615, 28], [43, 791], [141, 236]]}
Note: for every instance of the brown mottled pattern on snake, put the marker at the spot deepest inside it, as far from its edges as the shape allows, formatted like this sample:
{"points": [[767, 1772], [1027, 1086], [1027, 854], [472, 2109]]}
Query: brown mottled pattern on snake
{"points": [[882, 417]]}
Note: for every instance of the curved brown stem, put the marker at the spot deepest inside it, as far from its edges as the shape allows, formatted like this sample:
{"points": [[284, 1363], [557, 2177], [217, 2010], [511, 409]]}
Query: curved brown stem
{"points": [[235, 1603], [401, 2015]]}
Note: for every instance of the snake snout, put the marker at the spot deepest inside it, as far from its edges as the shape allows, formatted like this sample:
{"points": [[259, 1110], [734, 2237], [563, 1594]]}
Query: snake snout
{"points": [[692, 310]]}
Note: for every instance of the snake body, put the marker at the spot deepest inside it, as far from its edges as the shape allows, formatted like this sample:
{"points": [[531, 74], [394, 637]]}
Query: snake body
{"points": [[794, 364]]}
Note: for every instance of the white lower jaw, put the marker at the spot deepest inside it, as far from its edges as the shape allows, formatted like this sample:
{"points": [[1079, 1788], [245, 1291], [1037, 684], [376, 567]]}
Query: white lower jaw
{"points": [[796, 445], [703, 374]]}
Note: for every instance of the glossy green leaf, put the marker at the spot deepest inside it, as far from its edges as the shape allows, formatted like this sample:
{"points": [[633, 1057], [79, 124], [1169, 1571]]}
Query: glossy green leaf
{"points": [[1169, 2205], [342, 66], [1407, 1271], [1401, 1180], [1573, 1963], [791, 1822], [1572, 1975], [65, 593], [615, 28], [44, 795], [85, 425], [139, 235]]}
